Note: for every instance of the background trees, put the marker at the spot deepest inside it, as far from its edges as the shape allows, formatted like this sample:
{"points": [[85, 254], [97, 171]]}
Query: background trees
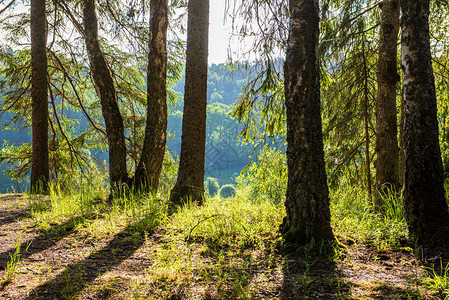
{"points": [[387, 146], [357, 73]]}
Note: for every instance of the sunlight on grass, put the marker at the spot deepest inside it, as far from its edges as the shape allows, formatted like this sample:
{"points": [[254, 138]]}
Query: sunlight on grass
{"points": [[100, 217], [353, 217], [218, 245], [439, 281]]}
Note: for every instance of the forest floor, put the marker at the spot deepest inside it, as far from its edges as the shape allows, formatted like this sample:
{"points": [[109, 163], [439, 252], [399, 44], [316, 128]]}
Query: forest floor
{"points": [[63, 260]]}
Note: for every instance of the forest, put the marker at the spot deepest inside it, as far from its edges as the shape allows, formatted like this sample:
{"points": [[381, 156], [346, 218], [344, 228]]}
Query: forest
{"points": [[312, 164]]}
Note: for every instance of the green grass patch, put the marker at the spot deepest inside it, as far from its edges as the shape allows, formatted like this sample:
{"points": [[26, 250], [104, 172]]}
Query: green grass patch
{"points": [[353, 217]]}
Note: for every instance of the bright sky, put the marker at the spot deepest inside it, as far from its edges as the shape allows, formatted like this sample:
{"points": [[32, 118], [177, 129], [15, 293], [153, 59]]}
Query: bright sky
{"points": [[218, 33]]}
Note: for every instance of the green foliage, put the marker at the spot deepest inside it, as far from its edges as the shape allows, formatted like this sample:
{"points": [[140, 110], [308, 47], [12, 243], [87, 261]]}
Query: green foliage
{"points": [[353, 217], [168, 174], [266, 177], [439, 281], [220, 244], [212, 186], [227, 191], [13, 264]]}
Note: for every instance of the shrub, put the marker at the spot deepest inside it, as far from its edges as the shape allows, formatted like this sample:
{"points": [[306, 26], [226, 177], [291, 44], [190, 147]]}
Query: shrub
{"points": [[212, 186], [266, 177], [226, 191], [168, 175]]}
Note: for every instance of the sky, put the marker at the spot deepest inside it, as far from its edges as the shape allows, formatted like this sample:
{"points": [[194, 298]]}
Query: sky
{"points": [[218, 33]]}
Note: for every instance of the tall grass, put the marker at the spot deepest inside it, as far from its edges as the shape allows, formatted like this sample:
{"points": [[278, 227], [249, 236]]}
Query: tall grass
{"points": [[89, 202], [218, 245], [353, 216]]}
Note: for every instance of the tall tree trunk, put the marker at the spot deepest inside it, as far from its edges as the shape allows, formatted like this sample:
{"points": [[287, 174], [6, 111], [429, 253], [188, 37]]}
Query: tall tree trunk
{"points": [[401, 159], [105, 88], [387, 175], [190, 182], [149, 168], [425, 204], [366, 120], [307, 201], [39, 98]]}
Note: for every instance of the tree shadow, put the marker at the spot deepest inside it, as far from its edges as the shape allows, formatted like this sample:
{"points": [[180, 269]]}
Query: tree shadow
{"points": [[8, 217], [79, 275], [45, 240], [309, 274], [390, 292], [36, 203]]}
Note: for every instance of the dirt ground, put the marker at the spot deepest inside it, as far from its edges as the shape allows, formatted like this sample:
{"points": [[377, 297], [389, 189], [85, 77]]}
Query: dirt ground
{"points": [[63, 263]]}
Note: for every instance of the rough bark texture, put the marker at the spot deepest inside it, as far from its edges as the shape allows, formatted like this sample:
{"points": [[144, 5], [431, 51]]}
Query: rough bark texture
{"points": [[104, 85], [150, 165], [39, 97], [425, 205], [190, 182], [307, 201], [366, 120], [387, 150]]}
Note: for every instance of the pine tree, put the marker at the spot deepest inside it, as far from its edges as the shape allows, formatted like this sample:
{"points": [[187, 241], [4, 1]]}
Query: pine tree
{"points": [[106, 91], [387, 174], [307, 200], [190, 182], [150, 165], [425, 206], [39, 97]]}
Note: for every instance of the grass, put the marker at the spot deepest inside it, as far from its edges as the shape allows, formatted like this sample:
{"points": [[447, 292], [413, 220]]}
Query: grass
{"points": [[226, 249], [439, 281], [353, 217], [13, 264], [221, 242]]}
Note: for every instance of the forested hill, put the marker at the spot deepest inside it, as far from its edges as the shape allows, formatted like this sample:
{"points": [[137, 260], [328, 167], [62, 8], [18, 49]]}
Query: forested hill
{"points": [[223, 84], [225, 154]]}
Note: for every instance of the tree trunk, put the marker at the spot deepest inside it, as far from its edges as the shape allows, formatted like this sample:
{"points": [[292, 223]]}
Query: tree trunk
{"points": [[307, 200], [39, 98], [149, 168], [190, 182], [387, 175], [366, 118], [425, 205], [105, 88], [401, 160]]}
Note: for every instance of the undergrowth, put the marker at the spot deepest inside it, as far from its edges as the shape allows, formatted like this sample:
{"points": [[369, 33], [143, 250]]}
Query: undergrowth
{"points": [[353, 217], [219, 246], [227, 248]]}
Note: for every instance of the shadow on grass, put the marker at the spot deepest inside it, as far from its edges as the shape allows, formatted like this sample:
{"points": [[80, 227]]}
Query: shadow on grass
{"points": [[45, 240], [309, 274], [390, 292], [8, 217], [79, 275], [11, 213]]}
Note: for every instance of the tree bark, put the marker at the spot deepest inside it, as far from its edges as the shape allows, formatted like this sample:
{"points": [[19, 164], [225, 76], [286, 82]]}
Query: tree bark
{"points": [[105, 88], [387, 175], [424, 199], [190, 182], [149, 168], [39, 98], [307, 200], [366, 118]]}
